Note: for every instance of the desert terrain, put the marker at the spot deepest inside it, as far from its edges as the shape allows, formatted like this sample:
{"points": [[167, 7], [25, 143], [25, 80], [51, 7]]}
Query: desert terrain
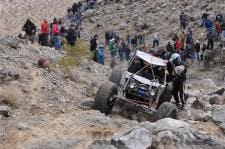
{"points": [[54, 110]]}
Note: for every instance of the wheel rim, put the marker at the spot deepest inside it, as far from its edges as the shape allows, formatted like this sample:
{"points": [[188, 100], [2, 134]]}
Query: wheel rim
{"points": [[111, 100]]}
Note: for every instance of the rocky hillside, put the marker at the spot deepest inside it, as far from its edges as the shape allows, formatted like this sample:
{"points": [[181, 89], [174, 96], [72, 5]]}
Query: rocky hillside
{"points": [[46, 109], [151, 16], [14, 13]]}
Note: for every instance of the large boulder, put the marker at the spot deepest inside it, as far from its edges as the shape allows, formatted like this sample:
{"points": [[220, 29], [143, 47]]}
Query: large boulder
{"points": [[215, 99], [170, 133], [219, 115], [134, 138], [5, 111], [165, 133], [200, 115]]}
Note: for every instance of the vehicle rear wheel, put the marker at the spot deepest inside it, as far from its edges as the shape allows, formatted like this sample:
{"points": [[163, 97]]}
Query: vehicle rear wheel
{"points": [[165, 110], [105, 97], [116, 75]]}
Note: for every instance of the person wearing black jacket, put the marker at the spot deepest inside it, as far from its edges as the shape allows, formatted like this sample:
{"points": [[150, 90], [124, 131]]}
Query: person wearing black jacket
{"points": [[107, 37], [30, 30], [197, 49], [169, 48], [71, 36], [179, 78], [93, 46]]}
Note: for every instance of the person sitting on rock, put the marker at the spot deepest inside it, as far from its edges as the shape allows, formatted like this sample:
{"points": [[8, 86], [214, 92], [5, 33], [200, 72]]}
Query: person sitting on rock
{"points": [[30, 30]]}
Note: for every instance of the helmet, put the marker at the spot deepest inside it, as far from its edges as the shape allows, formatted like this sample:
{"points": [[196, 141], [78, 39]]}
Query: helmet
{"points": [[175, 58]]}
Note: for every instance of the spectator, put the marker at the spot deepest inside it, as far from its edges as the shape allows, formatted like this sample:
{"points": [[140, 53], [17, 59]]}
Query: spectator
{"points": [[210, 38], [71, 36], [30, 30], [197, 49], [100, 54], [155, 40], [183, 20], [44, 33], [93, 46], [56, 35]]}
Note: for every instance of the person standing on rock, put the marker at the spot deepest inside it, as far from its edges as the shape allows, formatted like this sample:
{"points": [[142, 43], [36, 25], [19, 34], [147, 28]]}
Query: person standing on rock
{"points": [[94, 44], [203, 49], [44, 33], [210, 38], [169, 48], [56, 35], [128, 37], [113, 51], [182, 39], [179, 78], [30, 30], [100, 54], [122, 49], [183, 20], [218, 30], [155, 40], [107, 37], [71, 35], [197, 49]]}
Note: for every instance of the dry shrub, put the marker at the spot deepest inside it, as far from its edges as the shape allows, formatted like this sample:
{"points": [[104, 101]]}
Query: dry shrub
{"points": [[73, 56], [10, 96]]}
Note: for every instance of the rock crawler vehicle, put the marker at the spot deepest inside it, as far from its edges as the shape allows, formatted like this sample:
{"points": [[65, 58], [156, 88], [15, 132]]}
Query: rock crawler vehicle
{"points": [[142, 84]]}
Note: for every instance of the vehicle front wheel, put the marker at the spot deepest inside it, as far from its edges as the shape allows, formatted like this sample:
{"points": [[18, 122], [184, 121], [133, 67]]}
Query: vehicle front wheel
{"points": [[166, 95], [105, 97], [166, 110]]}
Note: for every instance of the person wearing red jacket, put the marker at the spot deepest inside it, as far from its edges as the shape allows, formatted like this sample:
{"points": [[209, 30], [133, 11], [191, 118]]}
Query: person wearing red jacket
{"points": [[178, 45], [219, 30], [44, 33], [56, 35]]}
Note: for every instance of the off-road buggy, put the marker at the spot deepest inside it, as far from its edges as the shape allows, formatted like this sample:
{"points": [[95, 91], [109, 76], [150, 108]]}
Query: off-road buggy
{"points": [[143, 84]]}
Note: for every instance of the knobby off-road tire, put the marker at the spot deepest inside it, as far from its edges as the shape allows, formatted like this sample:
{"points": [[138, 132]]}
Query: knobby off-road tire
{"points": [[166, 110], [103, 99], [166, 95], [116, 75]]}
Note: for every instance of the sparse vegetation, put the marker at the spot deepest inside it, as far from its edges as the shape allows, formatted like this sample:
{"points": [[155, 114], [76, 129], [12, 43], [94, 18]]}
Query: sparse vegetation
{"points": [[10, 96], [73, 55]]}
